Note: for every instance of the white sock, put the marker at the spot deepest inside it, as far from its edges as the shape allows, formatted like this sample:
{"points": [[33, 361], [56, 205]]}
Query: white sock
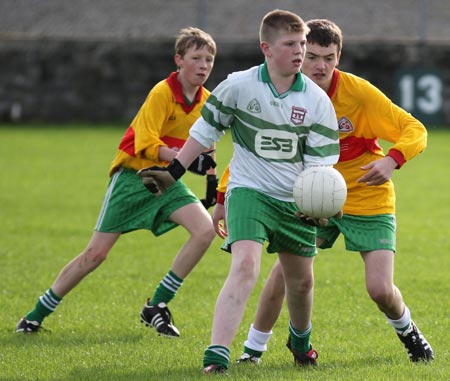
{"points": [[401, 324], [257, 340]]}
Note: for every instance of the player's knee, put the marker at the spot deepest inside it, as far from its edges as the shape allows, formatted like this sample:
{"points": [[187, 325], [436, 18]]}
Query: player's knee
{"points": [[380, 294], [247, 269], [204, 233], [306, 284], [301, 286]]}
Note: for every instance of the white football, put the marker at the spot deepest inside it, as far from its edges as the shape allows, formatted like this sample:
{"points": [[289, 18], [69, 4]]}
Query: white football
{"points": [[320, 192]]}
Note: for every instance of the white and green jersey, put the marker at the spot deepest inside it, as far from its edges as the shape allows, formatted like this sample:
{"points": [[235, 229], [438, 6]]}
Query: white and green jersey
{"points": [[275, 136]]}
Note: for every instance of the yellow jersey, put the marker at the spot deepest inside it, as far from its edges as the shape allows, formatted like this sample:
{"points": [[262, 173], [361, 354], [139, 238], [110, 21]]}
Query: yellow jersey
{"points": [[365, 115], [163, 120]]}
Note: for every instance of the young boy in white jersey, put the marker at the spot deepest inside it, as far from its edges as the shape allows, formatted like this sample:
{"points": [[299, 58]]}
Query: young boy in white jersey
{"points": [[281, 123], [368, 223]]}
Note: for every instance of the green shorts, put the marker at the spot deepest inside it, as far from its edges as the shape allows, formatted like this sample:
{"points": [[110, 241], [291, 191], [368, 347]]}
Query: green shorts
{"points": [[128, 205], [254, 216], [361, 233]]}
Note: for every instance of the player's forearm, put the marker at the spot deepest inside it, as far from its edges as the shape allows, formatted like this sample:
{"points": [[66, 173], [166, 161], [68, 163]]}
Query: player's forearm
{"points": [[191, 149], [166, 154]]}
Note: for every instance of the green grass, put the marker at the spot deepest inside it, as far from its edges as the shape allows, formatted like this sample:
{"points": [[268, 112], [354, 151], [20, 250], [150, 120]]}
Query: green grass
{"points": [[53, 181]]}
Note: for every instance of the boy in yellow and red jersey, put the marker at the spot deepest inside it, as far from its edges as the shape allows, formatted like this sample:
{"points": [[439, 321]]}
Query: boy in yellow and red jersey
{"points": [[364, 115], [154, 137]]}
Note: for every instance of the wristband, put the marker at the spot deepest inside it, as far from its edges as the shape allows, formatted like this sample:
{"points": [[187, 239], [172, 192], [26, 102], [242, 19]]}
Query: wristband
{"points": [[220, 198], [397, 156], [176, 169]]}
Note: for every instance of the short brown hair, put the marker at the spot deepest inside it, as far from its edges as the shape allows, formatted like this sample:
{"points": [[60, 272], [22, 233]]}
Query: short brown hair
{"points": [[324, 32], [189, 37], [279, 20]]}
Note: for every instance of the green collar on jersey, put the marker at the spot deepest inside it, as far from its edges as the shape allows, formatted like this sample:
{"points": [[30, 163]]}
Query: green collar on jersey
{"points": [[298, 85]]}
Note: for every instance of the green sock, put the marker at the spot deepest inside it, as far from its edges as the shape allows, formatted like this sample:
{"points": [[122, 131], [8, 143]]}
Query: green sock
{"points": [[300, 340], [45, 305], [166, 289], [252, 352], [216, 354]]}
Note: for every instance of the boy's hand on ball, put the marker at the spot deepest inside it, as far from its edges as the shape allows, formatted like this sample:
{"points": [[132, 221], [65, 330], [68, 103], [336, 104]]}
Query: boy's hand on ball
{"points": [[311, 221], [339, 215], [321, 222]]}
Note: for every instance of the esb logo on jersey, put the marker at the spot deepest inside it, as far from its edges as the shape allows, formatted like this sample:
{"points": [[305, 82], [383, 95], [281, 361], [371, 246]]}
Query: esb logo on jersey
{"points": [[298, 115], [276, 144]]}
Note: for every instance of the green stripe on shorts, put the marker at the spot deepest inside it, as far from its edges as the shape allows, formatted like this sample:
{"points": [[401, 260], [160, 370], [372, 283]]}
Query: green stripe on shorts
{"points": [[128, 205], [254, 216]]}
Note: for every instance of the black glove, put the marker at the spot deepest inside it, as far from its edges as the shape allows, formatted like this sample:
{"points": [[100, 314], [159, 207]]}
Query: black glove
{"points": [[211, 193], [158, 179], [202, 163]]}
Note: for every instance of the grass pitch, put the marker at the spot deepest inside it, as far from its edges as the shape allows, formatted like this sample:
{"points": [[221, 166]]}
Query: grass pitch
{"points": [[53, 182]]}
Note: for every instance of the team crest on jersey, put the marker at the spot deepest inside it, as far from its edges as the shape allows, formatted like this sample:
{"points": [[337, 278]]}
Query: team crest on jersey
{"points": [[298, 115], [345, 125], [254, 106]]}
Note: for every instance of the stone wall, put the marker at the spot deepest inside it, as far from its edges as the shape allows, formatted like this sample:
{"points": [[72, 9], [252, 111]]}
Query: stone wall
{"points": [[66, 81]]}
